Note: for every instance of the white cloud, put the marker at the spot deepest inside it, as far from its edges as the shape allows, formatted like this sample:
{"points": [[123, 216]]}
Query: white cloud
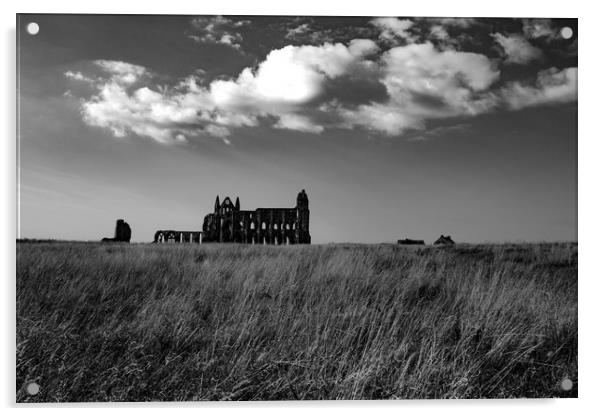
{"points": [[288, 80], [303, 88], [299, 123], [552, 86], [294, 32], [425, 83], [218, 131], [164, 117], [517, 49], [78, 76], [281, 85], [439, 32], [385, 118], [218, 29], [291, 76], [447, 32], [393, 29], [423, 68], [363, 47], [122, 72]]}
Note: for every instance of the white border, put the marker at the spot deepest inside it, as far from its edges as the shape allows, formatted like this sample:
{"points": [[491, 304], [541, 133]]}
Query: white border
{"points": [[589, 190]]}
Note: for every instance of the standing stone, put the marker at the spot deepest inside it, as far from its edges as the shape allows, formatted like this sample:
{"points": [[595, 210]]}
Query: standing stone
{"points": [[123, 232]]}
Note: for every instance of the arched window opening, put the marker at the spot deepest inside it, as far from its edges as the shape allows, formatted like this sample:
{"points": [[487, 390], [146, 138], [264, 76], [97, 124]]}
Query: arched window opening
{"points": [[263, 225]]}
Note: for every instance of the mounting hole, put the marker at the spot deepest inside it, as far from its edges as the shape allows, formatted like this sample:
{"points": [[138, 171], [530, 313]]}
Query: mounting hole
{"points": [[566, 32], [566, 384], [33, 28], [33, 389]]}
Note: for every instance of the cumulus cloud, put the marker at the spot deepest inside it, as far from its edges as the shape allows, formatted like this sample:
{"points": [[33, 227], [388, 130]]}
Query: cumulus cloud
{"points": [[305, 88], [385, 118], [122, 72], [517, 49], [281, 86], [165, 117], [446, 32], [425, 83], [394, 29], [299, 123], [77, 76], [297, 31], [439, 32], [290, 77], [552, 86], [218, 29]]}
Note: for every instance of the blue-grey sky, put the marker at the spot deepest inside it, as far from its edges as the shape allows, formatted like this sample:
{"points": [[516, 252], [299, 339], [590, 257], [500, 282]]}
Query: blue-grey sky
{"points": [[396, 127]]}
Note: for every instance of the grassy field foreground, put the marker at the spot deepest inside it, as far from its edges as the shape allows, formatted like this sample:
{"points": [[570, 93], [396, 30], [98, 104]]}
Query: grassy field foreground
{"points": [[230, 322]]}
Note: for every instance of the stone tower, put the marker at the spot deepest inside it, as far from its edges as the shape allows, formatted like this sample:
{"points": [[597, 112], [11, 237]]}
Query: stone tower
{"points": [[302, 229]]}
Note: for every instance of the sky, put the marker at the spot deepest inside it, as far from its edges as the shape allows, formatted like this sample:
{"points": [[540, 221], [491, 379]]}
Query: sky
{"points": [[396, 127]]}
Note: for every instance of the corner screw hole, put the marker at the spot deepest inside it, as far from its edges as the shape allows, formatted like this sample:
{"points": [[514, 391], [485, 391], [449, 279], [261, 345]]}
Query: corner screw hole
{"points": [[566, 32], [33, 389], [33, 28]]}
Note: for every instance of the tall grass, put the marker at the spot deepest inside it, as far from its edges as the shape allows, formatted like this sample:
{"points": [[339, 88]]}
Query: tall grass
{"points": [[232, 322]]}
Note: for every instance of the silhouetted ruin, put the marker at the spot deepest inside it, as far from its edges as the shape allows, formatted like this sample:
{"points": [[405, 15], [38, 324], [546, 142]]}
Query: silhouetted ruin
{"points": [[123, 233], [171, 236], [446, 240], [229, 224], [410, 242]]}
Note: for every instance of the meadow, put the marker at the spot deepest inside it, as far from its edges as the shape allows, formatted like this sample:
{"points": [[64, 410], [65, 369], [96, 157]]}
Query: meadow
{"points": [[145, 322]]}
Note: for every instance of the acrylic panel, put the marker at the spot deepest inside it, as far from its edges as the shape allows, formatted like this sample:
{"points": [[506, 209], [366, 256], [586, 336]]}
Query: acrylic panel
{"points": [[295, 208]]}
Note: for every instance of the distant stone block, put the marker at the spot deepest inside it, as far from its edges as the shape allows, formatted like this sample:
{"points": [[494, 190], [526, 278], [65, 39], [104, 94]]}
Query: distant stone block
{"points": [[410, 242], [123, 233], [444, 240]]}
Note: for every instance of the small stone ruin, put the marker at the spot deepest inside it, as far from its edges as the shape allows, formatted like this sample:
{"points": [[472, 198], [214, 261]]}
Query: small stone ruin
{"points": [[123, 233], [444, 240], [410, 242]]}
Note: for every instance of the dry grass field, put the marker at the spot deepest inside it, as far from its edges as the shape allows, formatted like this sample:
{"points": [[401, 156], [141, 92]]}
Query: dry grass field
{"points": [[143, 322]]}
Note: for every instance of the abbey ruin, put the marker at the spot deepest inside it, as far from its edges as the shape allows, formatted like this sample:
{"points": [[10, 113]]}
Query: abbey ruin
{"points": [[229, 224]]}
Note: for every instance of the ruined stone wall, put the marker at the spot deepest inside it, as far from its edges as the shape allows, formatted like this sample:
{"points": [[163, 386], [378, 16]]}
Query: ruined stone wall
{"points": [[228, 224], [172, 236]]}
